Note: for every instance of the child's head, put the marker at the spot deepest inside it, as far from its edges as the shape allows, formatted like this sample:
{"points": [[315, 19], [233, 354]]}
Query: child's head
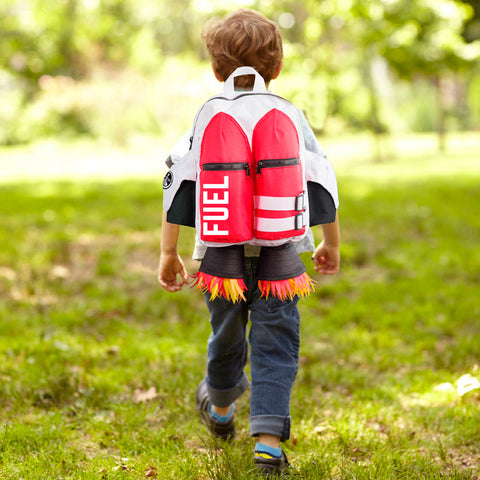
{"points": [[244, 38]]}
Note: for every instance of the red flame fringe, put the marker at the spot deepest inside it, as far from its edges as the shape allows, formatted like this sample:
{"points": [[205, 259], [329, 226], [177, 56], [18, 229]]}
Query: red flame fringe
{"points": [[229, 288], [302, 285]]}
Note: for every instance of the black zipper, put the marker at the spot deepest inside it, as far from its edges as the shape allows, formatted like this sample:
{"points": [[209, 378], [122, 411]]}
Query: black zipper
{"points": [[227, 167], [276, 162]]}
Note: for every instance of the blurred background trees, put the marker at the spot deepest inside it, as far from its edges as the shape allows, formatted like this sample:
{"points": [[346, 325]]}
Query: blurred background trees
{"points": [[113, 68]]}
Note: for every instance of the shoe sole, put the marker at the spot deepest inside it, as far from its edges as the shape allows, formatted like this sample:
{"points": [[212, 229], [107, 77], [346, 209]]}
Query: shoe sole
{"points": [[218, 430], [275, 469]]}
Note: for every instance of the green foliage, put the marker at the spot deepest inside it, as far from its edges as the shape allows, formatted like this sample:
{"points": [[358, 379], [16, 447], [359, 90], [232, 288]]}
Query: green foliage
{"points": [[474, 97], [85, 330], [332, 46], [114, 106], [72, 36], [472, 27], [417, 109]]}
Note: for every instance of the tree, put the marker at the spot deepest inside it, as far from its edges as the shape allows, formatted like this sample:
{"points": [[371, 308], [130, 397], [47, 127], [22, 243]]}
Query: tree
{"points": [[415, 37], [426, 39], [38, 41], [68, 37], [471, 31]]}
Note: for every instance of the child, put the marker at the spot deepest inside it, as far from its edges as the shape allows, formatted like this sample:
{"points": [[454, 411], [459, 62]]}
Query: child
{"points": [[247, 38]]}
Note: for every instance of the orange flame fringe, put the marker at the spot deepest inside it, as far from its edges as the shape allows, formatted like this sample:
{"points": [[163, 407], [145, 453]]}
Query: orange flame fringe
{"points": [[302, 285], [230, 288]]}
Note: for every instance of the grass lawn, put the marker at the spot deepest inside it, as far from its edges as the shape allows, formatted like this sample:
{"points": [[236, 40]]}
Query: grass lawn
{"points": [[98, 366]]}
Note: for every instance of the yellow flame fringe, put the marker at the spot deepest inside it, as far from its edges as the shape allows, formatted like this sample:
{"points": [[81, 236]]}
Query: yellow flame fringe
{"points": [[229, 288], [302, 285]]}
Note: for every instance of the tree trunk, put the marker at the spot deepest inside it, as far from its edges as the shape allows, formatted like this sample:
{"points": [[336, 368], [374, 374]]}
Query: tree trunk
{"points": [[441, 123], [374, 122]]}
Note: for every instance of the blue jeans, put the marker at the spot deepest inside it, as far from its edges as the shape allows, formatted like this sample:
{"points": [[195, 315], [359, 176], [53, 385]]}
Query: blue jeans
{"points": [[274, 343]]}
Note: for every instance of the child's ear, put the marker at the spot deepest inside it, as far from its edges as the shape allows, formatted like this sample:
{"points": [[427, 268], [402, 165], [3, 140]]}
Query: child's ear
{"points": [[277, 70], [217, 76]]}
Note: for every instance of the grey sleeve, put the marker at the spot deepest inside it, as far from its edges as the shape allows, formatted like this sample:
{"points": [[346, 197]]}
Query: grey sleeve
{"points": [[179, 149], [311, 142]]}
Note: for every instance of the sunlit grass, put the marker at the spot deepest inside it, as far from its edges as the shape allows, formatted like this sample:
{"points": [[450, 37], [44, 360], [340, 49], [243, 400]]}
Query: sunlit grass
{"points": [[84, 328], [409, 156]]}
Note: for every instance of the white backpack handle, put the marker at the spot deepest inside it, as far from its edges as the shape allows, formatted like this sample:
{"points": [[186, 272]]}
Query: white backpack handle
{"points": [[258, 86]]}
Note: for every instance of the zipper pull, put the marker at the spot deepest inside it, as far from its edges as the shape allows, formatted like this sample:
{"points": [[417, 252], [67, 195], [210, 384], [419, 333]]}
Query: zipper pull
{"points": [[247, 169], [259, 168]]}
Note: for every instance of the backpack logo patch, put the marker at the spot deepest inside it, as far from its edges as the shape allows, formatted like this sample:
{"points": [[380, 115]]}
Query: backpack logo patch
{"points": [[168, 180]]}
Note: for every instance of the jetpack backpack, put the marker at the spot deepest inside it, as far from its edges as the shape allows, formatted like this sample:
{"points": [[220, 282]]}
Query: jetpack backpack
{"points": [[248, 179]]}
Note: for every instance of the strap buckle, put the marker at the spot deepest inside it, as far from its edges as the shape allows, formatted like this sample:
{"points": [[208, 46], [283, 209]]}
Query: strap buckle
{"points": [[300, 202], [299, 221]]}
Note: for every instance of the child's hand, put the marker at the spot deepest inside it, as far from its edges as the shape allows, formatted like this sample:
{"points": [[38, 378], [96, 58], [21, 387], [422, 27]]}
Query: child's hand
{"points": [[170, 266], [326, 259]]}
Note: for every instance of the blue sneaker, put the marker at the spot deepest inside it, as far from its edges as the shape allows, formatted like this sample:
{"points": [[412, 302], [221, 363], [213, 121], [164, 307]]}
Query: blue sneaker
{"points": [[224, 430], [269, 466]]}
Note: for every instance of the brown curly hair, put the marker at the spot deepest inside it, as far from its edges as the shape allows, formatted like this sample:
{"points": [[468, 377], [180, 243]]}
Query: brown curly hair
{"points": [[244, 38]]}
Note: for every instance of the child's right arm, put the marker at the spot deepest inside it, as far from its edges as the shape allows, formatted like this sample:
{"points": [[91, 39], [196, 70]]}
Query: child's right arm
{"points": [[170, 264], [326, 257]]}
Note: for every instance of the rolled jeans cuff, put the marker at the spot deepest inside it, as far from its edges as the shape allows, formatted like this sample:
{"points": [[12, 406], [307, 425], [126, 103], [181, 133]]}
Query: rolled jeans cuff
{"points": [[224, 398], [271, 425]]}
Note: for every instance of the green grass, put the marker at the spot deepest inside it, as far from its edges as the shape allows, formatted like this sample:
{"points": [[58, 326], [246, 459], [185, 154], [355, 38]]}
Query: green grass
{"points": [[83, 325]]}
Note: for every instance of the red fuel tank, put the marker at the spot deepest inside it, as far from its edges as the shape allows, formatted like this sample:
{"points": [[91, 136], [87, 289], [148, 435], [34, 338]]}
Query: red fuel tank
{"points": [[226, 183], [279, 192]]}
